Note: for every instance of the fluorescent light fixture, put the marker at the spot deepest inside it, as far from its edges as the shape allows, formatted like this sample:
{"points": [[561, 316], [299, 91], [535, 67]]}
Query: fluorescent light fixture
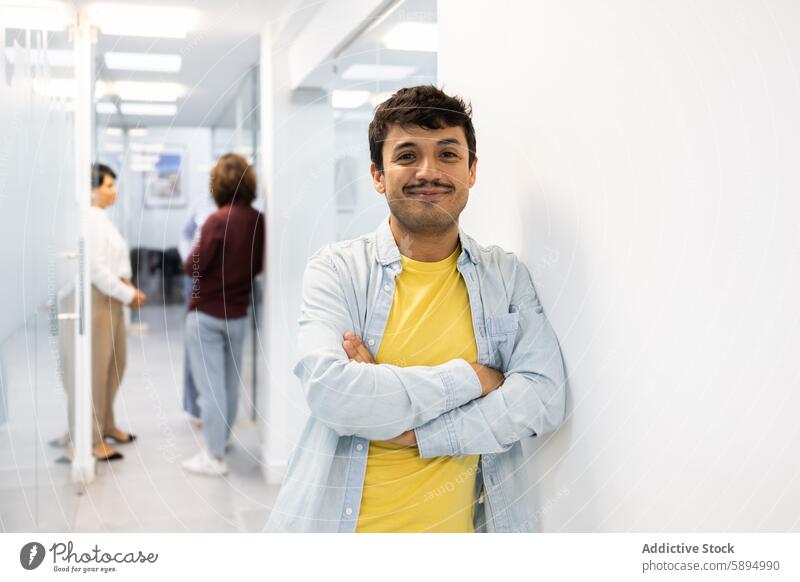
{"points": [[152, 62], [107, 108], [164, 109], [113, 131], [56, 58], [137, 131], [141, 90], [114, 148], [37, 15], [57, 88], [139, 20], [377, 98], [152, 148], [413, 36], [142, 167], [141, 159], [345, 99], [365, 72]]}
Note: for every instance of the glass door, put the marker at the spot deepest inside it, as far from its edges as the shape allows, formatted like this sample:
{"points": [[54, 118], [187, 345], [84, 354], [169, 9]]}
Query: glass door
{"points": [[43, 341]]}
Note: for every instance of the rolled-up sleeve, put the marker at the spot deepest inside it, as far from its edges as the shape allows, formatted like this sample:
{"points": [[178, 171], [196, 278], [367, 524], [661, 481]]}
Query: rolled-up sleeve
{"points": [[530, 402], [374, 401]]}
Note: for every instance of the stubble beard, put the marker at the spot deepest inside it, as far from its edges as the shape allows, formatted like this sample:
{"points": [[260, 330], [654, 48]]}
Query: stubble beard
{"points": [[423, 218]]}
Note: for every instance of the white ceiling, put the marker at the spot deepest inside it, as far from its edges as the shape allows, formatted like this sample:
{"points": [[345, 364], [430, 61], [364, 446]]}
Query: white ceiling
{"points": [[224, 47], [217, 55]]}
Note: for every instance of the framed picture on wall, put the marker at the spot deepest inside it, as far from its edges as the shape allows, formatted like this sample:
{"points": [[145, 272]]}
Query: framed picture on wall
{"points": [[163, 184]]}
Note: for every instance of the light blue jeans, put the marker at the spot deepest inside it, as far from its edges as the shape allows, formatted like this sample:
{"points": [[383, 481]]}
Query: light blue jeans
{"points": [[215, 355]]}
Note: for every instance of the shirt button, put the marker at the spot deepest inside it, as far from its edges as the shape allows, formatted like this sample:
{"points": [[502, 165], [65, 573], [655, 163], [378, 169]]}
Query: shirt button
{"points": [[359, 447], [386, 287], [349, 511], [371, 342]]}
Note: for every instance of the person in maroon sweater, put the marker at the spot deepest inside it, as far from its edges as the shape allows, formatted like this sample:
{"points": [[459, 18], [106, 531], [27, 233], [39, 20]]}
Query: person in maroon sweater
{"points": [[224, 261]]}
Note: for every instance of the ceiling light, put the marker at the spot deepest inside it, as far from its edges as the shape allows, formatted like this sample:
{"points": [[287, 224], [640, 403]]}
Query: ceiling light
{"points": [[142, 167], [152, 62], [37, 15], [39, 58], [342, 99], [116, 148], [376, 99], [113, 131], [154, 148], [364, 72], [137, 20], [107, 108], [164, 109], [137, 131], [141, 90], [413, 36], [138, 159]]}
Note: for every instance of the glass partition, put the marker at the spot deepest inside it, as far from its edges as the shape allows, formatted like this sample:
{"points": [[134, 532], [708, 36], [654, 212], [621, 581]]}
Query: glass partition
{"points": [[398, 50], [39, 258]]}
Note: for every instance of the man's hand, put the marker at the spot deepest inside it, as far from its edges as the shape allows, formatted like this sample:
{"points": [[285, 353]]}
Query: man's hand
{"points": [[355, 349], [138, 300], [490, 378], [407, 439]]}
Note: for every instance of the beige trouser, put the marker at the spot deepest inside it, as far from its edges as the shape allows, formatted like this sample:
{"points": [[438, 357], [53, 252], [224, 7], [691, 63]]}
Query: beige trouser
{"points": [[108, 360]]}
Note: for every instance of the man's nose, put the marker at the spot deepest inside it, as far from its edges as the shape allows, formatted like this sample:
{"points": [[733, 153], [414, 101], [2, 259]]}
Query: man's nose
{"points": [[427, 168]]}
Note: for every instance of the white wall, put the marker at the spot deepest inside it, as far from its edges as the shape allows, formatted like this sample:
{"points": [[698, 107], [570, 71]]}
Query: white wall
{"points": [[297, 130], [360, 209], [641, 157]]}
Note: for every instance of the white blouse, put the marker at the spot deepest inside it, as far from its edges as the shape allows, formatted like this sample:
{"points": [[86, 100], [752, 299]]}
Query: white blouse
{"points": [[109, 257]]}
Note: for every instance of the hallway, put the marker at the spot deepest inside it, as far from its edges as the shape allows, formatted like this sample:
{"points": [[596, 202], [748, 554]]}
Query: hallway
{"points": [[147, 491]]}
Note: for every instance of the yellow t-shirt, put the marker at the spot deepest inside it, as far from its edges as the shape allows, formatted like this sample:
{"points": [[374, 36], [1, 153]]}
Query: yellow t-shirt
{"points": [[430, 323]]}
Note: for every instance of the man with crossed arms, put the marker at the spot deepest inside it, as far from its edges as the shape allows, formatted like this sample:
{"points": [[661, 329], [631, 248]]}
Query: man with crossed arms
{"points": [[425, 357]]}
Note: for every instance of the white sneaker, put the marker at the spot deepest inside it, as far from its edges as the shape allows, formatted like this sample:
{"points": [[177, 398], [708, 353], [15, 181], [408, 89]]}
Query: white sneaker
{"points": [[205, 464]]}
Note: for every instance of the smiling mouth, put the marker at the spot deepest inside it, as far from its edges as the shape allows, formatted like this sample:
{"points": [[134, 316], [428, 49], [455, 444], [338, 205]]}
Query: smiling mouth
{"points": [[426, 194]]}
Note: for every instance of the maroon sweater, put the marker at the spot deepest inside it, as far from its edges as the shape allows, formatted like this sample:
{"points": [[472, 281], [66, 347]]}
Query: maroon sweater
{"points": [[223, 263]]}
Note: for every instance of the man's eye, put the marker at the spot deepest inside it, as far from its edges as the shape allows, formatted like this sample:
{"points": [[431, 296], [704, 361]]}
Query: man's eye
{"points": [[450, 154], [407, 156]]}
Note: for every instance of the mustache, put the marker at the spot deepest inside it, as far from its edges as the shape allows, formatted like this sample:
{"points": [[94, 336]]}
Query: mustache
{"points": [[428, 184]]}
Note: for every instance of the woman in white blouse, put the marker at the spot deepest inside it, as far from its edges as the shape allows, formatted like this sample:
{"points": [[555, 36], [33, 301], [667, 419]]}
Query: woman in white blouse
{"points": [[110, 268]]}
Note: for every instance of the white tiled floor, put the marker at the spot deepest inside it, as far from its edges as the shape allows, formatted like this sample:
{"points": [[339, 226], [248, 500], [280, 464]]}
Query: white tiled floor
{"points": [[147, 491]]}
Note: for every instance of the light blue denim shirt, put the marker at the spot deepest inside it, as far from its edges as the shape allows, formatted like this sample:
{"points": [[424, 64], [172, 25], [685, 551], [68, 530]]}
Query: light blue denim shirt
{"points": [[349, 286]]}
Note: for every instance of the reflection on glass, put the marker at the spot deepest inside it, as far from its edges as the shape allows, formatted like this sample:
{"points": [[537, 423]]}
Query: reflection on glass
{"points": [[38, 226], [368, 71]]}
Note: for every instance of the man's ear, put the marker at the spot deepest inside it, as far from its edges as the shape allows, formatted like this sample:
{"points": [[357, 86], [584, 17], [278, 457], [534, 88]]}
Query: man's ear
{"points": [[377, 179], [472, 171]]}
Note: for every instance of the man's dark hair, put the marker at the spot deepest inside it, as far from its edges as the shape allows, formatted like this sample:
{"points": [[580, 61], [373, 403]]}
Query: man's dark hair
{"points": [[233, 180], [99, 173], [423, 106]]}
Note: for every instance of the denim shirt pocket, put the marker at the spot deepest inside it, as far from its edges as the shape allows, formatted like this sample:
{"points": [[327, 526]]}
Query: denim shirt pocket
{"points": [[501, 331]]}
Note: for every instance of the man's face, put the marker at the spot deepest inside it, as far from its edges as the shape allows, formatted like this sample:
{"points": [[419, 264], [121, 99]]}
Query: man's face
{"points": [[426, 177]]}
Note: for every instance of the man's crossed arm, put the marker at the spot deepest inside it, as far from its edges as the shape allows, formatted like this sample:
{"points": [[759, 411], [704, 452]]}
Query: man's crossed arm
{"points": [[453, 408], [355, 349]]}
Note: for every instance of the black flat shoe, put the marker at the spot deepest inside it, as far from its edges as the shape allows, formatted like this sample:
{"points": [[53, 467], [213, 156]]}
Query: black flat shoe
{"points": [[63, 460], [59, 442], [130, 439], [115, 456]]}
